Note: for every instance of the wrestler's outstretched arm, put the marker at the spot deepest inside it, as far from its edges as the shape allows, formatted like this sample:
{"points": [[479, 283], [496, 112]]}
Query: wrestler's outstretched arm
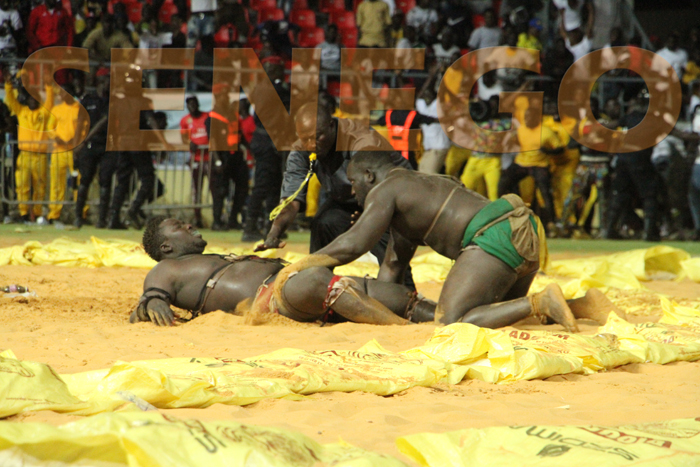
{"points": [[154, 304]]}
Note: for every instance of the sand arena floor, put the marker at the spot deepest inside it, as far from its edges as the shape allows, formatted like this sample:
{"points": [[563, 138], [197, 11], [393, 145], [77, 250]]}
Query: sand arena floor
{"points": [[79, 322]]}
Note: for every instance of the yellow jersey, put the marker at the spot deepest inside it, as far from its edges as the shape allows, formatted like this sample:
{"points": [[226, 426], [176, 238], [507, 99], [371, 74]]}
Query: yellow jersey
{"points": [[452, 79], [560, 129], [33, 125], [540, 136], [66, 116]]}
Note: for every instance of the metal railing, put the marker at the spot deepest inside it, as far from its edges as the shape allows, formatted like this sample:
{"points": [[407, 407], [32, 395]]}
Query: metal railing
{"points": [[173, 189]]}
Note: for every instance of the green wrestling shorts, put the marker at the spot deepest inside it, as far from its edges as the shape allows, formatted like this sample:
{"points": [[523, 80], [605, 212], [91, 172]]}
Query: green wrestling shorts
{"points": [[506, 229]]}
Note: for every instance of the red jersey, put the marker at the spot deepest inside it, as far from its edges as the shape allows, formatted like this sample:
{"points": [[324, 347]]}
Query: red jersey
{"points": [[198, 133], [247, 126], [46, 27]]}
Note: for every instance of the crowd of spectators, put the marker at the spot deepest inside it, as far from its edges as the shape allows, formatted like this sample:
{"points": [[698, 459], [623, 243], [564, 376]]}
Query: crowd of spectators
{"points": [[563, 179]]}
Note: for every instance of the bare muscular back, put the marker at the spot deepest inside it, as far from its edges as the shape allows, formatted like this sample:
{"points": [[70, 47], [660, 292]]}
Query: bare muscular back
{"points": [[185, 278], [432, 210]]}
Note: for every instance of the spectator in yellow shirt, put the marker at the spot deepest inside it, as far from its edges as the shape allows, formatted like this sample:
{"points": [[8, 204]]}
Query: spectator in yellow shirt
{"points": [[68, 129], [564, 165], [531, 38], [34, 121], [373, 21], [692, 69], [537, 143]]}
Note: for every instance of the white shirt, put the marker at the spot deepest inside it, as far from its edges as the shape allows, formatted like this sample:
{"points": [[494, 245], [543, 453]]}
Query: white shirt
{"points": [[694, 102], [478, 7], [580, 49], [443, 56], [151, 41], [203, 5], [677, 58], [433, 135], [392, 6], [696, 129], [485, 93], [421, 19], [330, 55], [304, 78], [663, 151], [12, 17], [572, 16], [485, 37]]}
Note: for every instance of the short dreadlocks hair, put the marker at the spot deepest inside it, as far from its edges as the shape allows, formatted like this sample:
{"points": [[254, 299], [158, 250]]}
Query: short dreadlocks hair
{"points": [[153, 238], [374, 159]]}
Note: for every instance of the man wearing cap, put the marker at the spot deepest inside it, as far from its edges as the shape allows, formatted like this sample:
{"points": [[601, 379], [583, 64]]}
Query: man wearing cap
{"points": [[194, 133], [531, 38]]}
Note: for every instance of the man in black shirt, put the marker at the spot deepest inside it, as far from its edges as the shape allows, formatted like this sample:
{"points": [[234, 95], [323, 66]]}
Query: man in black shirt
{"points": [[91, 154], [268, 160], [128, 130], [634, 173]]}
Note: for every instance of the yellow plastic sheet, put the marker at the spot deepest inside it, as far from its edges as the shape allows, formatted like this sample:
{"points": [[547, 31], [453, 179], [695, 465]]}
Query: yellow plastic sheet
{"points": [[31, 386], [691, 267], [674, 338], [673, 443], [153, 440], [453, 353], [622, 270], [201, 382], [505, 356]]}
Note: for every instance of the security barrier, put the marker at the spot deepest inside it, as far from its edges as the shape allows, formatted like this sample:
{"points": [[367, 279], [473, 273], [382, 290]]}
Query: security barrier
{"points": [[177, 175]]}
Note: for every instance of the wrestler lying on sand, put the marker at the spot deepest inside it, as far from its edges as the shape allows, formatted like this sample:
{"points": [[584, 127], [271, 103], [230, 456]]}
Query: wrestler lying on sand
{"points": [[187, 279], [495, 245]]}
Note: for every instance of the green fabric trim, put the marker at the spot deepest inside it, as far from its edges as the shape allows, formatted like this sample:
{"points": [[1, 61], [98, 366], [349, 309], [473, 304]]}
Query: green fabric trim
{"points": [[496, 240]]}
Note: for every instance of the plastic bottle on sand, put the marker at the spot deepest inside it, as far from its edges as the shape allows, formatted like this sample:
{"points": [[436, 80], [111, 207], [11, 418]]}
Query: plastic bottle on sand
{"points": [[15, 289]]}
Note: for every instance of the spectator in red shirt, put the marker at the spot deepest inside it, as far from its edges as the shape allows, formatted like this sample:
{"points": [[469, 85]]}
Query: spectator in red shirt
{"points": [[49, 25], [247, 125], [194, 132]]}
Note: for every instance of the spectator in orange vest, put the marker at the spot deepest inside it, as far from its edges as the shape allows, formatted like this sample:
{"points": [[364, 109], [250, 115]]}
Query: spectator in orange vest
{"points": [[194, 132], [400, 123]]}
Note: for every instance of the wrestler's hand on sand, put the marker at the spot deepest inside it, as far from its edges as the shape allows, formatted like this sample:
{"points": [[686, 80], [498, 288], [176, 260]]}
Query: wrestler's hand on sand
{"points": [[158, 312], [270, 243]]}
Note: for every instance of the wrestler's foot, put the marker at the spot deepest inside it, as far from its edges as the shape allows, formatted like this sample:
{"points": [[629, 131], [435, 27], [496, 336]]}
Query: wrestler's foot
{"points": [[551, 303], [595, 306]]}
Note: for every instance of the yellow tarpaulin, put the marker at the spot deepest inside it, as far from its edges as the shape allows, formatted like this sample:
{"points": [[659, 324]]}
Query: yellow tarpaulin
{"points": [[673, 443], [453, 353], [620, 270], [137, 439]]}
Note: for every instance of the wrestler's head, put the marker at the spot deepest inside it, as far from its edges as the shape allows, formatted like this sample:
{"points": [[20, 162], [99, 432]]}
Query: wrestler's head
{"points": [[167, 238], [366, 170], [316, 129]]}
